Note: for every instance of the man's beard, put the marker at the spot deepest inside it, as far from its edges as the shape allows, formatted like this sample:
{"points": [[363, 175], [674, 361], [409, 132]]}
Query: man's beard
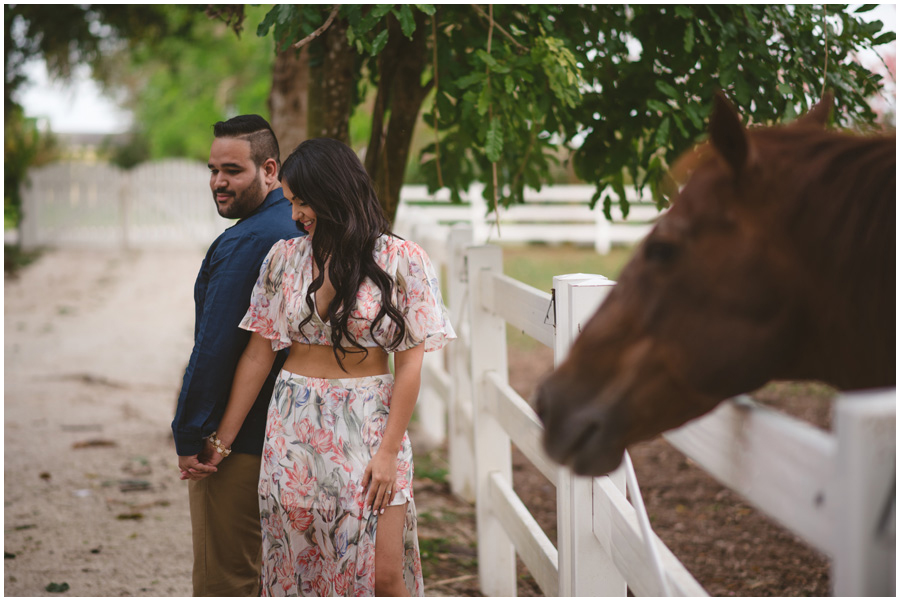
{"points": [[243, 203]]}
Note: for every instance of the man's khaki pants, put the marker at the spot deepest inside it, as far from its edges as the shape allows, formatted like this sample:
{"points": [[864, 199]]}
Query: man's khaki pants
{"points": [[226, 530]]}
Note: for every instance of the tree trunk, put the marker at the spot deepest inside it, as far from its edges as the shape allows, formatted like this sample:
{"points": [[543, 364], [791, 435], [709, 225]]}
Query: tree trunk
{"points": [[332, 85], [288, 98], [400, 95]]}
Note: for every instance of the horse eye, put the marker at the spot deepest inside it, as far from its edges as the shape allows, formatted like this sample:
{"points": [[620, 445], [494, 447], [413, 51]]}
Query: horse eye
{"points": [[660, 252]]}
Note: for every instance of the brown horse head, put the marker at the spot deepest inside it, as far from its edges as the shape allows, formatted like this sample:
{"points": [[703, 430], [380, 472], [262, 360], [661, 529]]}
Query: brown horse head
{"points": [[776, 261]]}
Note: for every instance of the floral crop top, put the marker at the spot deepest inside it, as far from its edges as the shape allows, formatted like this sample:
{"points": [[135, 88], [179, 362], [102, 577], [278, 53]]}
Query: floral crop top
{"points": [[278, 302]]}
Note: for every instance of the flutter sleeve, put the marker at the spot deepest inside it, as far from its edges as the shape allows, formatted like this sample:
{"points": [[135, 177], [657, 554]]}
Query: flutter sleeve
{"points": [[266, 315], [417, 294]]}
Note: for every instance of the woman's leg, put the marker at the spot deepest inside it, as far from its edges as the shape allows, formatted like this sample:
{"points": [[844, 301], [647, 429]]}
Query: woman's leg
{"points": [[389, 553]]}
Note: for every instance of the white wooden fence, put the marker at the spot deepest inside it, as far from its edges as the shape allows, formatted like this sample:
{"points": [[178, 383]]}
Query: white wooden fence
{"points": [[558, 213], [160, 204], [168, 204], [834, 490]]}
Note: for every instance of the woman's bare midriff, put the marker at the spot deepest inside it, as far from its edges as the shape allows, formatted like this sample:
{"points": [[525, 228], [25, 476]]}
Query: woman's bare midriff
{"points": [[318, 361]]}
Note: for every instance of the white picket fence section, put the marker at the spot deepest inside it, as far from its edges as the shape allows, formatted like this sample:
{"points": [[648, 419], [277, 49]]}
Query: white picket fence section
{"points": [[168, 204], [834, 490], [554, 214], [155, 205]]}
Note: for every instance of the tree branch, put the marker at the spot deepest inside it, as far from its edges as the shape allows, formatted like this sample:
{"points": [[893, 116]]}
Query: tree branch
{"points": [[320, 30], [484, 15]]}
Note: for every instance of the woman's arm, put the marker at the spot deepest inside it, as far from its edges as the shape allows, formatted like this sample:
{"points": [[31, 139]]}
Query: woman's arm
{"points": [[252, 369], [381, 473]]}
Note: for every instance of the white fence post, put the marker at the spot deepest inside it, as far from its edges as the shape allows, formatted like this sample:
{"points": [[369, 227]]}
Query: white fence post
{"points": [[460, 442], [478, 207], [865, 495], [602, 231], [585, 569], [496, 553]]}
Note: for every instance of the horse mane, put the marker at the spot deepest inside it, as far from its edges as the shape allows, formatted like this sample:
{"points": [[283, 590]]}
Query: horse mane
{"points": [[838, 187], [845, 194]]}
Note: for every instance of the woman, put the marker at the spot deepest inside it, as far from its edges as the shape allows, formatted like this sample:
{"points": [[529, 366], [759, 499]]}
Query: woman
{"points": [[335, 487]]}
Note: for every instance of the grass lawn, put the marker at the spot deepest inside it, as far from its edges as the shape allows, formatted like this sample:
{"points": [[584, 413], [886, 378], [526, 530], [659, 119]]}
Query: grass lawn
{"points": [[536, 264]]}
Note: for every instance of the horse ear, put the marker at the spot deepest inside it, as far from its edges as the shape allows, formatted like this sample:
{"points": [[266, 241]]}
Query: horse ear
{"points": [[818, 114], [727, 133]]}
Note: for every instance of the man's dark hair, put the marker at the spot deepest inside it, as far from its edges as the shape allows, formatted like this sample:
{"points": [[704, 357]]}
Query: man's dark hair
{"points": [[257, 131]]}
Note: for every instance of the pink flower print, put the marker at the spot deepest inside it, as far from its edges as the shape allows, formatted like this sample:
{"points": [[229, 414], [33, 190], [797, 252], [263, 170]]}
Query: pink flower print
{"points": [[264, 488], [402, 483], [372, 429], [322, 441], [274, 424], [270, 460], [342, 583], [326, 505], [271, 526], [351, 497], [322, 586], [280, 446], [303, 430], [300, 517], [284, 571], [300, 480]]}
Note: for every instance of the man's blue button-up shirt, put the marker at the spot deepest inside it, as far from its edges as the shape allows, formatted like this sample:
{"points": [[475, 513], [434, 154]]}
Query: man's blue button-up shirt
{"points": [[221, 297]]}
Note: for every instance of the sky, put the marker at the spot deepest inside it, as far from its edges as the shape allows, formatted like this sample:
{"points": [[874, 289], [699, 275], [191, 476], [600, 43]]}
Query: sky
{"points": [[80, 106]]}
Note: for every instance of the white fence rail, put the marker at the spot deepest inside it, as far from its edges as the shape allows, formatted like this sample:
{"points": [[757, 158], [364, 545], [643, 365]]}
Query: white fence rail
{"points": [[161, 204], [168, 203], [559, 213], [834, 490]]}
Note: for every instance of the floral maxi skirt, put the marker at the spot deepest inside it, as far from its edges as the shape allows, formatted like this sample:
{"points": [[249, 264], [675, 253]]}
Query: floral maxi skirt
{"points": [[318, 538]]}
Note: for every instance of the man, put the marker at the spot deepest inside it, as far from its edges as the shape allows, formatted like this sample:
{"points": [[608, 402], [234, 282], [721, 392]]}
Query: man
{"points": [[243, 165]]}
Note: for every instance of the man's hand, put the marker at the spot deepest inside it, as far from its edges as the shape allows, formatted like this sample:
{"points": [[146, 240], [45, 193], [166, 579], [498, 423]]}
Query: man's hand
{"points": [[192, 468]]}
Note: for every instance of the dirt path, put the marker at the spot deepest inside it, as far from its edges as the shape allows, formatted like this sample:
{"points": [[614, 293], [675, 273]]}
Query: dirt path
{"points": [[95, 346]]}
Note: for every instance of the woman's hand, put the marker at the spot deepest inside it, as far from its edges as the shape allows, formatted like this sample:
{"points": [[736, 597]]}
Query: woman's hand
{"points": [[379, 480]]}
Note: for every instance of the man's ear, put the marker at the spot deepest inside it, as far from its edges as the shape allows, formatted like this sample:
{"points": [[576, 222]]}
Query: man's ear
{"points": [[270, 168]]}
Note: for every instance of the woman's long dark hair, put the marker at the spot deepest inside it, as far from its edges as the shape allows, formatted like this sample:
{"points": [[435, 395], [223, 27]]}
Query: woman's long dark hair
{"points": [[328, 176]]}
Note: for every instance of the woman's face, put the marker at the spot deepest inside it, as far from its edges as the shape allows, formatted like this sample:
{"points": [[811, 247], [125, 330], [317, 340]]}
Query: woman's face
{"points": [[301, 212]]}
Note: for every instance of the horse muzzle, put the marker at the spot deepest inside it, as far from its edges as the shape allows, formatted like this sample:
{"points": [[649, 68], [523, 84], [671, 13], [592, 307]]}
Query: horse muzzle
{"points": [[582, 437]]}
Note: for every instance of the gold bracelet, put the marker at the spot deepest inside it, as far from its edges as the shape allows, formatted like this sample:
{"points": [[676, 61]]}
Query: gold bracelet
{"points": [[217, 444]]}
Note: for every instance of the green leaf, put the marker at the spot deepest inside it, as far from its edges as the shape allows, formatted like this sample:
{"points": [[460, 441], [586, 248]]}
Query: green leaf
{"points": [[742, 91], [784, 89], [689, 38], [694, 115], [484, 100], [884, 38], [680, 125], [379, 43], [662, 134], [491, 62], [493, 145], [667, 89], [865, 8], [428, 9], [683, 11], [407, 21], [467, 80], [656, 105]]}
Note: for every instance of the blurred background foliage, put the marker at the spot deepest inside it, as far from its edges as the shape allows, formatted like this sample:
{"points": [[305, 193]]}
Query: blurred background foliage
{"points": [[517, 95]]}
